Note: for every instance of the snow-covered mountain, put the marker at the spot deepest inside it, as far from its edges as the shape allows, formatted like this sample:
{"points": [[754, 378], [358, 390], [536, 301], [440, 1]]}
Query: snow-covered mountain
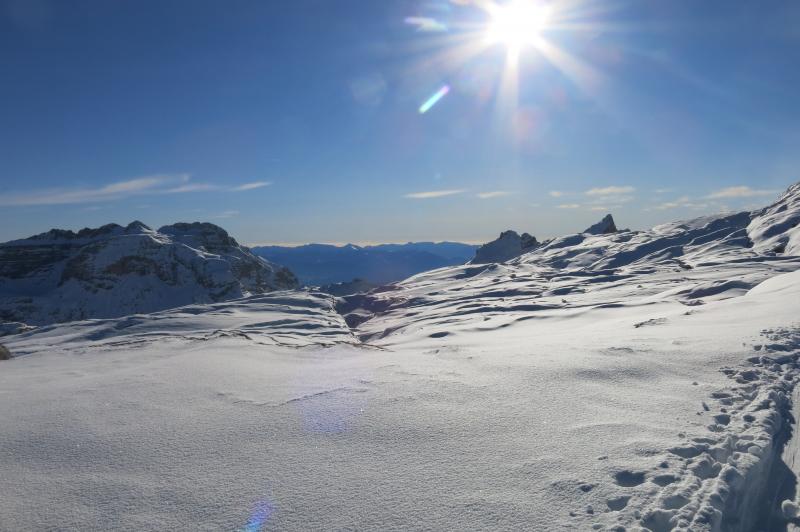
{"points": [[630, 380], [115, 271], [767, 241]]}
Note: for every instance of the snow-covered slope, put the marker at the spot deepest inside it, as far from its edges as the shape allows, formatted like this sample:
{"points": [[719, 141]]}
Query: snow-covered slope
{"points": [[624, 381], [114, 271], [510, 245], [776, 228]]}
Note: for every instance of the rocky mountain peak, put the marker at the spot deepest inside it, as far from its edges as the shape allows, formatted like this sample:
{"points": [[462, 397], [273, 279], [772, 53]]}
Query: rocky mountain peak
{"points": [[603, 227], [113, 271], [507, 246], [200, 235]]}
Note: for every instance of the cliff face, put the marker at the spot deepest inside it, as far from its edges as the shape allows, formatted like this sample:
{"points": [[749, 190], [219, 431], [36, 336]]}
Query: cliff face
{"points": [[114, 271]]}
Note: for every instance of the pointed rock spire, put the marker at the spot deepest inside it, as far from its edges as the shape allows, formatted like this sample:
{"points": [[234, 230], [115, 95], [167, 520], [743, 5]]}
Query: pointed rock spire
{"points": [[603, 227]]}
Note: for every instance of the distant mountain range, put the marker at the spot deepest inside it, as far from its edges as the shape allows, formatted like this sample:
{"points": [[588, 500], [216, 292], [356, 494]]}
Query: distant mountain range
{"points": [[323, 264]]}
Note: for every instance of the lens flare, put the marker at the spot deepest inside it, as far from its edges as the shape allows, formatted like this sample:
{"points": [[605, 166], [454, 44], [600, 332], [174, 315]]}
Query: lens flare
{"points": [[259, 517], [433, 100]]}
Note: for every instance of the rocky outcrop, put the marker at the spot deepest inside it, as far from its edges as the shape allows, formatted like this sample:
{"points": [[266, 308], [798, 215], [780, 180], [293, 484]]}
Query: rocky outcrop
{"points": [[113, 271], [603, 227], [507, 246], [5, 354]]}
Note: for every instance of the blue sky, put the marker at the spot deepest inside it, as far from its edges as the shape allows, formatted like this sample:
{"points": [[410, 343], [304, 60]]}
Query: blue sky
{"points": [[300, 121]]}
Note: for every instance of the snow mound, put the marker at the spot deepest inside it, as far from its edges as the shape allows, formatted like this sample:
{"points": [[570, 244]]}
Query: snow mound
{"points": [[114, 271]]}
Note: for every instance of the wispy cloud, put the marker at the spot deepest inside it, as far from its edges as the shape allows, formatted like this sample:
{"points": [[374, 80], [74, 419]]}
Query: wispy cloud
{"points": [[140, 186], [684, 202], [157, 184], [557, 193], [190, 187], [252, 186], [610, 200], [226, 214], [740, 192], [434, 194], [569, 206], [492, 194], [608, 191]]}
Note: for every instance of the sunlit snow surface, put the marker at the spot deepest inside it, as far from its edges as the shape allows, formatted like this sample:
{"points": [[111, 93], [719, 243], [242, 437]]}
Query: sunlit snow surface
{"points": [[599, 381]]}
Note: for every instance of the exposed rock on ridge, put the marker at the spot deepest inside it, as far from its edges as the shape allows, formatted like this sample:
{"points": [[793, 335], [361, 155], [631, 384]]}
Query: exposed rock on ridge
{"points": [[507, 246], [603, 227]]}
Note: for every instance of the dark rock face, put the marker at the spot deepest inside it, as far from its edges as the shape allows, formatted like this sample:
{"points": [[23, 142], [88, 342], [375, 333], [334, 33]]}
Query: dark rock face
{"points": [[603, 227], [204, 236], [113, 271], [5, 354], [508, 245]]}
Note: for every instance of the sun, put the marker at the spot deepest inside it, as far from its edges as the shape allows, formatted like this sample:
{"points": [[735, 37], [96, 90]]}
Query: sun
{"points": [[517, 24]]}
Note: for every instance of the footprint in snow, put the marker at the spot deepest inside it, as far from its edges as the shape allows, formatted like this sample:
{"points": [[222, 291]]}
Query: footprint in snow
{"points": [[664, 480], [673, 502], [628, 479], [616, 504]]}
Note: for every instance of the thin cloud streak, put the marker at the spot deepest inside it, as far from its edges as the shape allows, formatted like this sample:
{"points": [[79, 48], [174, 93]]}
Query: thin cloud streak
{"points": [[492, 194], [608, 191], [193, 187], [684, 202], [434, 194], [226, 214], [113, 191], [140, 186], [740, 192], [252, 186]]}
